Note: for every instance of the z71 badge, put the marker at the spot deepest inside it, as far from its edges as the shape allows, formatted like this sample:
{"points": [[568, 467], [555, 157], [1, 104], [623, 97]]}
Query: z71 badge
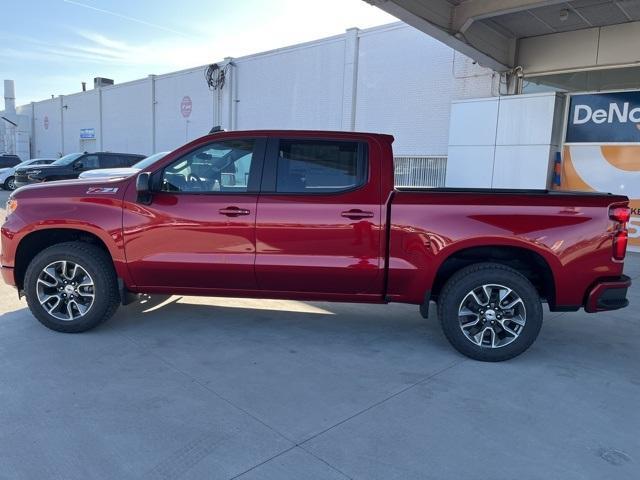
{"points": [[103, 190]]}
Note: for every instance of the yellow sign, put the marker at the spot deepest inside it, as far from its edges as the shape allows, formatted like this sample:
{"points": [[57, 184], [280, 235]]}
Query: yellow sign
{"points": [[606, 168]]}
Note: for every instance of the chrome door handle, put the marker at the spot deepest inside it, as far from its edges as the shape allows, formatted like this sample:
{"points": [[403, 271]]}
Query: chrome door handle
{"points": [[356, 214], [234, 211]]}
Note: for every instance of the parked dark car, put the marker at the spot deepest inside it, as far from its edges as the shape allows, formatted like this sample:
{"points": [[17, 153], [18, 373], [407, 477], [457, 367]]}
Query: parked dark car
{"points": [[71, 165], [9, 160]]}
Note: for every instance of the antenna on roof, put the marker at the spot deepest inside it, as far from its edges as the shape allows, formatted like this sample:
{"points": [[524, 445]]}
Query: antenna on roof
{"points": [[216, 129]]}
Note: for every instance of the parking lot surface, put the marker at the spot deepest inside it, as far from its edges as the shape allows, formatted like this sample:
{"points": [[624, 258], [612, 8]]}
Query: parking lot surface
{"points": [[208, 388]]}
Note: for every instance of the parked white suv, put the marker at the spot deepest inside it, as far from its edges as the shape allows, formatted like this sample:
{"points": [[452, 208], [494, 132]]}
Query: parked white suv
{"points": [[7, 175]]}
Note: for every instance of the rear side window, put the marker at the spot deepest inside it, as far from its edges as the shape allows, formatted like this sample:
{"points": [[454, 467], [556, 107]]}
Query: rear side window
{"points": [[110, 161], [318, 166], [88, 162], [128, 160], [9, 161]]}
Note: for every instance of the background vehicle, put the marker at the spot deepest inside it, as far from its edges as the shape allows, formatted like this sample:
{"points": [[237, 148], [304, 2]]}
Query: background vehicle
{"points": [[315, 216], [71, 165], [123, 172], [8, 160], [7, 175]]}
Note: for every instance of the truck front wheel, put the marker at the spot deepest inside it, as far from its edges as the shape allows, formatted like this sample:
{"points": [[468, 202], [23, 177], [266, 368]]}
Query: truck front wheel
{"points": [[71, 287], [490, 312]]}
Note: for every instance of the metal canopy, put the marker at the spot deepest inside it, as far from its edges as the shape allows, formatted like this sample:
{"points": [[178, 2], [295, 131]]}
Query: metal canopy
{"points": [[489, 30]]}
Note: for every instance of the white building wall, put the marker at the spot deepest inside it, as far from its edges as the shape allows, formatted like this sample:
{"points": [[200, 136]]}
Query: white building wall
{"points": [[292, 88], [405, 87], [47, 129], [390, 79], [176, 126], [506, 142], [127, 117], [81, 110]]}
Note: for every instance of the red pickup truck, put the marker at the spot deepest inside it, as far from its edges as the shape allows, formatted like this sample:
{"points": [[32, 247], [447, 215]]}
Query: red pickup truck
{"points": [[313, 215]]}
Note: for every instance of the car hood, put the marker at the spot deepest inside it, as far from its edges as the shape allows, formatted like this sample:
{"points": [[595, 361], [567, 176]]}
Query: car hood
{"points": [[73, 187], [110, 172]]}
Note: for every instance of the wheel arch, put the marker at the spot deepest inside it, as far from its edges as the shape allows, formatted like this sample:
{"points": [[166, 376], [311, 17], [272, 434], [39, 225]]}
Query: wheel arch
{"points": [[36, 241], [527, 261]]}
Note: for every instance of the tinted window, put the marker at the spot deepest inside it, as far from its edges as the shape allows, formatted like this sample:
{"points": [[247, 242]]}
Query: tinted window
{"points": [[129, 160], [7, 161], [112, 161], [88, 162], [319, 166], [217, 167]]}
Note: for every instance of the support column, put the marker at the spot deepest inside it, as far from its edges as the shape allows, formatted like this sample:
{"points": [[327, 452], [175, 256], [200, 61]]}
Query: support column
{"points": [[101, 141], [152, 79], [62, 125], [350, 79]]}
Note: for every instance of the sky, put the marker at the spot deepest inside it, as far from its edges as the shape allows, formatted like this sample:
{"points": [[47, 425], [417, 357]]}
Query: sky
{"points": [[50, 46]]}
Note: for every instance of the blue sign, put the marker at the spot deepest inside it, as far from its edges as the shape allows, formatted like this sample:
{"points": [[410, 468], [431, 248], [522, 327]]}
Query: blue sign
{"points": [[604, 118], [87, 133]]}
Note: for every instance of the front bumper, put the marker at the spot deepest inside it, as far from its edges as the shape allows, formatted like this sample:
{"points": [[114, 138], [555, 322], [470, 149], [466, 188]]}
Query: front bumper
{"points": [[608, 295]]}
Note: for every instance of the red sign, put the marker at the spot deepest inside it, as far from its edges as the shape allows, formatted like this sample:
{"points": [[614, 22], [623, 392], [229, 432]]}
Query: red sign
{"points": [[186, 106], [46, 122]]}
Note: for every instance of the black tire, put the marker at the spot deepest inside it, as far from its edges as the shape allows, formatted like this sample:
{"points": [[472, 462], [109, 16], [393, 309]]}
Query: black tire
{"points": [[9, 184], [457, 289], [105, 285]]}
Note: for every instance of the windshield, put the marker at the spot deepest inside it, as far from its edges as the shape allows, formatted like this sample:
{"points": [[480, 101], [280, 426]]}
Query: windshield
{"points": [[142, 164], [67, 159]]}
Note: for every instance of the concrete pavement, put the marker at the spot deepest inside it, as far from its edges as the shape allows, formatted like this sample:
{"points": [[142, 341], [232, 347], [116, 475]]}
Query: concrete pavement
{"points": [[201, 388]]}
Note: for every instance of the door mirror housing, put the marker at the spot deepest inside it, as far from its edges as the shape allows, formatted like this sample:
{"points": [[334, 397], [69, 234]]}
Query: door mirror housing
{"points": [[143, 187], [78, 166]]}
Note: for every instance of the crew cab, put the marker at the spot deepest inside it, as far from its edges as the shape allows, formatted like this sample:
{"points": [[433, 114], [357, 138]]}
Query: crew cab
{"points": [[312, 215], [71, 165]]}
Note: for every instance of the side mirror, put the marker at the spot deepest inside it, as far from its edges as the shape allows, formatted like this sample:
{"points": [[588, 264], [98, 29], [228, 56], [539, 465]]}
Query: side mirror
{"points": [[78, 166], [143, 187]]}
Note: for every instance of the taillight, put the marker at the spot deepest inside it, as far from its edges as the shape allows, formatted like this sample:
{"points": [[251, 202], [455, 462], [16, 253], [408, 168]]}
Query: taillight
{"points": [[620, 241], [621, 215]]}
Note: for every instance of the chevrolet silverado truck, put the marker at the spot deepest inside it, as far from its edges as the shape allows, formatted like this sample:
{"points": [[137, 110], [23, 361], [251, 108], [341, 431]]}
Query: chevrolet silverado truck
{"points": [[311, 215]]}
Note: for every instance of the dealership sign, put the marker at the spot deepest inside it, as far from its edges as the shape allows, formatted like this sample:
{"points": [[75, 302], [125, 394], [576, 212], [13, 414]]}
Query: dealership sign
{"points": [[87, 133], [602, 151], [604, 118]]}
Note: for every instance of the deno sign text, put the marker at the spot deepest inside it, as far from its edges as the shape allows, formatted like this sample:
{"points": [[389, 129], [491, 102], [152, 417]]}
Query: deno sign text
{"points": [[616, 112]]}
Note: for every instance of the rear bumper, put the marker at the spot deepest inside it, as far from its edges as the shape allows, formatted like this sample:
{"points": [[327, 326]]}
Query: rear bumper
{"points": [[7, 276], [608, 295]]}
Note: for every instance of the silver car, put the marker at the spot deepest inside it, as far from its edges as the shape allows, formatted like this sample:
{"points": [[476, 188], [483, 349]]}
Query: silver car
{"points": [[7, 175], [125, 171]]}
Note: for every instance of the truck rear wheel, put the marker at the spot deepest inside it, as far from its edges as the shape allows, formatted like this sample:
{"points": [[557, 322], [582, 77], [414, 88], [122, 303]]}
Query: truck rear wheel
{"points": [[490, 312], [71, 287]]}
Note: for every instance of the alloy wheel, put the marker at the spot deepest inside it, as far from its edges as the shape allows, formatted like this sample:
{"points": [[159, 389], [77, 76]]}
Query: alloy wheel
{"points": [[65, 290], [492, 316]]}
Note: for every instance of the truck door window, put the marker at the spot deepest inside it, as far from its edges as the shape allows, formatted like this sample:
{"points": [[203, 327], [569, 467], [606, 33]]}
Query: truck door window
{"points": [[317, 166], [222, 166]]}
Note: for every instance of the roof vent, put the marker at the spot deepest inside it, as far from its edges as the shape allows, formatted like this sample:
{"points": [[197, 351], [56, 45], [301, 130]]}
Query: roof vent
{"points": [[102, 82]]}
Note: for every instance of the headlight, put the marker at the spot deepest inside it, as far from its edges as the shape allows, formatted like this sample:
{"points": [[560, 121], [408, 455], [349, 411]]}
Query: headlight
{"points": [[12, 204]]}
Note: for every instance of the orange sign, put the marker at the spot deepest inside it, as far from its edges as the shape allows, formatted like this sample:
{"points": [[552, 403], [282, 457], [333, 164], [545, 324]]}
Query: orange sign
{"points": [[606, 168]]}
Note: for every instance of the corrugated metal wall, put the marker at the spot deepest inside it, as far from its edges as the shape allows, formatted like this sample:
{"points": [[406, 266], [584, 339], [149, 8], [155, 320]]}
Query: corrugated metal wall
{"points": [[390, 79]]}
